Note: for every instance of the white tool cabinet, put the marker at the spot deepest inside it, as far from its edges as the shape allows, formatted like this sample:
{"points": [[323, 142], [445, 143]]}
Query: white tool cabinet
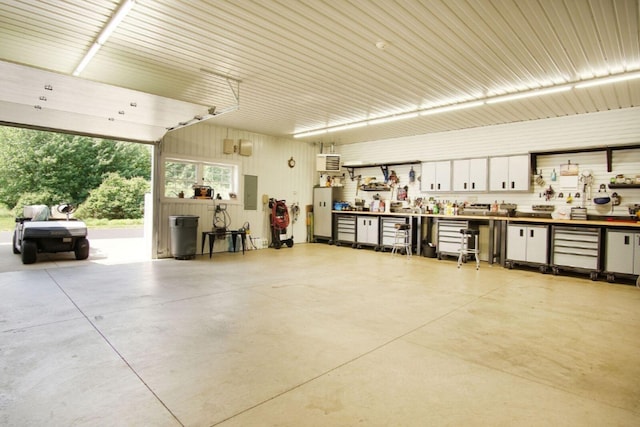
{"points": [[576, 248], [346, 229], [367, 231], [528, 244], [389, 230], [449, 237], [622, 253]]}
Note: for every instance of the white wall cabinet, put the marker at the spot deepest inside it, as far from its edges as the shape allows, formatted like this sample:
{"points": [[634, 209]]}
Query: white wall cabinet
{"points": [[436, 176], [470, 175], [509, 173], [527, 243], [367, 230], [622, 253]]}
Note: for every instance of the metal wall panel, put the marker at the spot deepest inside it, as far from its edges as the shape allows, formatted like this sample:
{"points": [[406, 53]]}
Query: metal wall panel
{"points": [[591, 130], [268, 162]]}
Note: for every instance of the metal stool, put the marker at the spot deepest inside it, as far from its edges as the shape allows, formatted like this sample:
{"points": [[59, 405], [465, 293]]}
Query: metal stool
{"points": [[402, 239], [465, 250]]}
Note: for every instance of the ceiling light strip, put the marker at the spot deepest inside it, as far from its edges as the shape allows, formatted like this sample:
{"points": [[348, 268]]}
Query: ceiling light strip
{"points": [[608, 80], [529, 94], [474, 103], [124, 8], [454, 107]]}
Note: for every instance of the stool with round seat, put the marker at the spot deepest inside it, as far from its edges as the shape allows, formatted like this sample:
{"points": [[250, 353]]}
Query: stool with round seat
{"points": [[402, 239], [465, 250]]}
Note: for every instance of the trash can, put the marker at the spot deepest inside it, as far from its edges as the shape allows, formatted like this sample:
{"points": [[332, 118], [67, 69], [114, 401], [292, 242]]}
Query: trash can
{"points": [[429, 250], [184, 236]]}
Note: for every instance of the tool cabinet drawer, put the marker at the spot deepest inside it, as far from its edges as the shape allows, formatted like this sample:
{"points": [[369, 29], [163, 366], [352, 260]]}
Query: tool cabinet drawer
{"points": [[449, 236], [588, 262], [346, 228], [389, 229], [577, 247]]}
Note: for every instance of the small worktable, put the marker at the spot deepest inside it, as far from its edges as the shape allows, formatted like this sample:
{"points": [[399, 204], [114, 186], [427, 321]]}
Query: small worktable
{"points": [[220, 234]]}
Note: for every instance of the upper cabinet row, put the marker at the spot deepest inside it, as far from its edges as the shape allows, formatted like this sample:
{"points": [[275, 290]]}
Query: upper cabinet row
{"points": [[509, 173]]}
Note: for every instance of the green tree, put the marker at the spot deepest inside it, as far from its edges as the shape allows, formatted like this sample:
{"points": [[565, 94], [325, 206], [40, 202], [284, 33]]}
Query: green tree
{"points": [[116, 198], [66, 165]]}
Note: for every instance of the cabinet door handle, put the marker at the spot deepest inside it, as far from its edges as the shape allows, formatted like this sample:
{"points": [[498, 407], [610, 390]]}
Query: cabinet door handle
{"points": [[504, 185], [438, 186], [626, 240], [513, 185], [432, 186], [473, 185], [465, 185], [531, 233], [521, 232]]}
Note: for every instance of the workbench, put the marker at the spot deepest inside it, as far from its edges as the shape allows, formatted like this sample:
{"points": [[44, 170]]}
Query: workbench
{"points": [[221, 234], [497, 226]]}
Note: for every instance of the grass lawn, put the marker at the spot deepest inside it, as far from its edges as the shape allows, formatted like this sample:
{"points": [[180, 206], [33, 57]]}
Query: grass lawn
{"points": [[7, 222]]}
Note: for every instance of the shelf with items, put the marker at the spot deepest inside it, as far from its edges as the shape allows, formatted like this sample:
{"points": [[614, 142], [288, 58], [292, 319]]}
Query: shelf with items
{"points": [[375, 188], [624, 186], [609, 149], [384, 167]]}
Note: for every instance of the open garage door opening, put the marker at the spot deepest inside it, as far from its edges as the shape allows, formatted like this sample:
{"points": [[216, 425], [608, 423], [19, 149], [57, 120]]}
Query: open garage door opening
{"points": [[102, 182]]}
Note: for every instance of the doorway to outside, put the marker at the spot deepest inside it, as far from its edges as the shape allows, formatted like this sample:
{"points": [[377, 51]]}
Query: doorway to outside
{"points": [[106, 180]]}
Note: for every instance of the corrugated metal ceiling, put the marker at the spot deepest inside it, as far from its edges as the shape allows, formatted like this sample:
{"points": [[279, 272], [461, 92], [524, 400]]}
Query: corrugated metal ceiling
{"points": [[311, 63]]}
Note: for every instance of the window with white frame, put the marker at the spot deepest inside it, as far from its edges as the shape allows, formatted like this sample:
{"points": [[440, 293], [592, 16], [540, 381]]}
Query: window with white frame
{"points": [[183, 177]]}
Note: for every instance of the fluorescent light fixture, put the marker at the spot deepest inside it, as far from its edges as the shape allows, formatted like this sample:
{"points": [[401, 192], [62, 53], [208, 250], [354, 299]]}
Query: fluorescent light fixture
{"points": [[607, 80], [393, 118], [310, 133], [122, 11], [454, 107], [348, 126], [88, 57], [124, 8], [470, 104], [529, 94]]}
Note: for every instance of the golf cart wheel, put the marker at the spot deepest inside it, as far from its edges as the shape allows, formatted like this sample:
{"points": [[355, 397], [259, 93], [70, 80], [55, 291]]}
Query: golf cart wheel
{"points": [[29, 252], [82, 248], [290, 243], [15, 249]]}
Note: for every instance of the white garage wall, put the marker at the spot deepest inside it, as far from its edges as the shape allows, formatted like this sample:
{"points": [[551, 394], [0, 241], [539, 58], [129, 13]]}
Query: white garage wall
{"points": [[268, 162], [588, 130]]}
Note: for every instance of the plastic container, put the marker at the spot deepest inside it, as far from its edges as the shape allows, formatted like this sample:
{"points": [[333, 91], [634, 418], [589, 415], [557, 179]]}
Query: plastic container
{"points": [[429, 250], [184, 235]]}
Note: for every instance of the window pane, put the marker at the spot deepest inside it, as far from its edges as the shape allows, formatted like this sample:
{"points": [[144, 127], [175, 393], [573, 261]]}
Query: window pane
{"points": [[220, 178], [179, 176]]}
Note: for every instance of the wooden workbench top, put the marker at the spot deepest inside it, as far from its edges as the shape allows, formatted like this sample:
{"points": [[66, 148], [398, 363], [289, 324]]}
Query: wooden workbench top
{"points": [[622, 222]]}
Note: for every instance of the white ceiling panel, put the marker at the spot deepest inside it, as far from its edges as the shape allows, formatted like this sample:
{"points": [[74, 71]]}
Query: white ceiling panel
{"points": [[306, 64]]}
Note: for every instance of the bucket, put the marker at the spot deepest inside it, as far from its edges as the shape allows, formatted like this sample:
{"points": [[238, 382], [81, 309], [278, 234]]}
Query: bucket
{"points": [[429, 250]]}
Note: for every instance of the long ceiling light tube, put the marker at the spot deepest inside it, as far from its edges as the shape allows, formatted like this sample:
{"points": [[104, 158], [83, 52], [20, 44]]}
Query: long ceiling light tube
{"points": [[454, 107], [124, 8], [529, 94], [393, 118], [474, 103], [608, 80]]}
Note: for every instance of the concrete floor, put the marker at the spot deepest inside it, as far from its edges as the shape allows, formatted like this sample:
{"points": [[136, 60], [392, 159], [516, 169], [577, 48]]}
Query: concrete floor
{"points": [[313, 335]]}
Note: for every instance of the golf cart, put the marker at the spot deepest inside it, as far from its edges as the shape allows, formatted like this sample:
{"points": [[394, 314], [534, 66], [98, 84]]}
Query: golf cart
{"points": [[40, 231]]}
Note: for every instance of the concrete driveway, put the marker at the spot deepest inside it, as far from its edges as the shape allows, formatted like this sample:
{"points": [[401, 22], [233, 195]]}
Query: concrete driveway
{"points": [[108, 246]]}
